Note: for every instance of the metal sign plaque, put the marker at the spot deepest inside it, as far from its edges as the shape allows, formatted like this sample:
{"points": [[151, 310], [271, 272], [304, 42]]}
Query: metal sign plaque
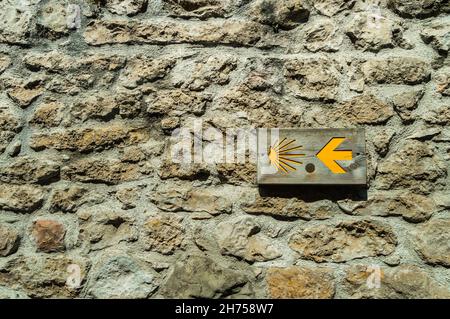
{"points": [[312, 156]]}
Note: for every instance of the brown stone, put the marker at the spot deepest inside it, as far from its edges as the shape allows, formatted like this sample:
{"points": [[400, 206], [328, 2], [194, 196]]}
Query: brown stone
{"points": [[163, 233], [300, 283], [438, 115], [344, 241], [67, 199], [25, 92], [241, 237], [102, 170], [285, 15], [9, 240], [102, 228], [142, 69], [27, 169], [21, 199], [331, 7], [48, 114], [363, 109], [89, 139], [5, 62], [163, 31], [177, 102], [322, 35], [315, 79], [237, 174], [402, 282], [432, 242], [49, 235], [43, 275], [198, 8], [414, 208], [405, 103], [413, 165], [199, 74], [396, 70]]}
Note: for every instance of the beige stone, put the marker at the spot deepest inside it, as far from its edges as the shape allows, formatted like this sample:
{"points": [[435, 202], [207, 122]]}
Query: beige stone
{"points": [[9, 240], [344, 241], [159, 31], [432, 242], [413, 165], [87, 139], [163, 233], [315, 79], [402, 282], [29, 169], [21, 199], [300, 283]]}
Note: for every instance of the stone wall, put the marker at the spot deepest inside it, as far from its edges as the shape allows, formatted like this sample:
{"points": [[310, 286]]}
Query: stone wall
{"points": [[91, 91]]}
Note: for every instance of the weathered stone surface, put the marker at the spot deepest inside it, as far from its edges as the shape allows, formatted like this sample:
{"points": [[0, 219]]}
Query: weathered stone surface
{"points": [[128, 196], [382, 141], [208, 201], [27, 169], [199, 8], [237, 174], [196, 200], [102, 227], [437, 33], [415, 8], [300, 283], [163, 233], [322, 35], [177, 102], [48, 114], [21, 199], [199, 74], [87, 139], [331, 7], [49, 235], [24, 92], [241, 237], [396, 70], [402, 282], [56, 61], [5, 62], [285, 15], [432, 242], [127, 7], [52, 20], [156, 31], [141, 70], [344, 241], [405, 103], [9, 240], [7, 293], [69, 199], [363, 109], [438, 115], [10, 124], [102, 170], [412, 207], [43, 276], [442, 79], [315, 79], [386, 34], [414, 165], [284, 208], [201, 277], [118, 277], [16, 21]]}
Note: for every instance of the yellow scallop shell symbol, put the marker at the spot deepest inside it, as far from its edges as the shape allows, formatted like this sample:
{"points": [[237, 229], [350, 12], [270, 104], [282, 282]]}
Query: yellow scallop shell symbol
{"points": [[281, 156]]}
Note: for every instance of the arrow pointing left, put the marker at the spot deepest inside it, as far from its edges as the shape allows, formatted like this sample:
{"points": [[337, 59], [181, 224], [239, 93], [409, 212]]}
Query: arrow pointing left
{"points": [[328, 155]]}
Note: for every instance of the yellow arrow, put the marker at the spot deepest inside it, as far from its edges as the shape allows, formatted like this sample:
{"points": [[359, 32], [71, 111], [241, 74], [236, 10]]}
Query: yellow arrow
{"points": [[328, 155]]}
